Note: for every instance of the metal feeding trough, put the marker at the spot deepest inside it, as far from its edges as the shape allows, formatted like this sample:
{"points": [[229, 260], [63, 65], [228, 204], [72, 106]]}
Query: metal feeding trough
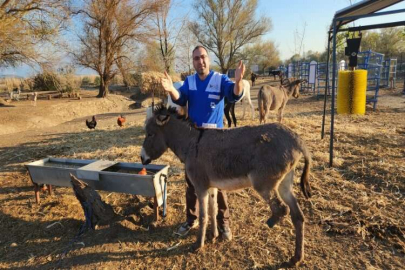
{"points": [[102, 175]]}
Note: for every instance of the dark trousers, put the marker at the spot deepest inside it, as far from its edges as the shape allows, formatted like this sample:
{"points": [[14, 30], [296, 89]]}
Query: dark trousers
{"points": [[192, 208]]}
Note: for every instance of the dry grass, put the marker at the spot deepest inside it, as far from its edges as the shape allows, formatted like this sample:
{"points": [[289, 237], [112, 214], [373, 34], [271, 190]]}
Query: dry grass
{"points": [[354, 219], [150, 81], [8, 84]]}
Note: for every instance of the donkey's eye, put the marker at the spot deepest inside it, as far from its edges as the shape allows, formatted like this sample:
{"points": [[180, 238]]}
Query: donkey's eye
{"points": [[149, 135]]}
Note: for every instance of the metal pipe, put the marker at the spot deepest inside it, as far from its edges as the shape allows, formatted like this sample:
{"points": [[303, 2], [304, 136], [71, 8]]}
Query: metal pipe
{"points": [[332, 109], [375, 14], [369, 27], [326, 89]]}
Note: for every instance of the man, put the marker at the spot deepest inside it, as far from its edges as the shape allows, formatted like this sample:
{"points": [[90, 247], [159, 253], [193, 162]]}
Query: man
{"points": [[204, 92]]}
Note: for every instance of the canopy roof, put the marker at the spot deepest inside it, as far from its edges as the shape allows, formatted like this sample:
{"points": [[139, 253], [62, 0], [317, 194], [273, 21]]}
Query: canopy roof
{"points": [[364, 7]]}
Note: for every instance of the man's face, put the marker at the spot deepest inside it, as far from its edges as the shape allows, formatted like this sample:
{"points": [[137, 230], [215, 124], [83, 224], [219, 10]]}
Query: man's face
{"points": [[201, 62]]}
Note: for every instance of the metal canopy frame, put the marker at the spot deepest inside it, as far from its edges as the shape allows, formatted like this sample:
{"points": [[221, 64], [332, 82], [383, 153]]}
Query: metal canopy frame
{"points": [[363, 9]]}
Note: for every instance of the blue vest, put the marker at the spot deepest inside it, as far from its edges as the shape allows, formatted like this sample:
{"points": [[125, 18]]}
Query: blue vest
{"points": [[206, 98]]}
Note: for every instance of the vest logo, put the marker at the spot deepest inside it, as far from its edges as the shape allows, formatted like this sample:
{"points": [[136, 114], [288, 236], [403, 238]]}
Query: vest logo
{"points": [[212, 105]]}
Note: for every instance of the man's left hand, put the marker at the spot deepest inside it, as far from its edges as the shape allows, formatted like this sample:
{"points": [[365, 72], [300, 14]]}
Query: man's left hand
{"points": [[240, 71]]}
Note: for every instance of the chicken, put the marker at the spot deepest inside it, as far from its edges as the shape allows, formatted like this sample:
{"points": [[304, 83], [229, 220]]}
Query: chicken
{"points": [[91, 124], [143, 171], [121, 120]]}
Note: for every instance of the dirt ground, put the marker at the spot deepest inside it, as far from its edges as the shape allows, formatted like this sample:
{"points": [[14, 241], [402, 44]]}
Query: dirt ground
{"points": [[355, 218]]}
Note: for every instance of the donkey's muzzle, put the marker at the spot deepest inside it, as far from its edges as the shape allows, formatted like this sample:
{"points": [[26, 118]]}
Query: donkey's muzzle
{"points": [[145, 161], [145, 157]]}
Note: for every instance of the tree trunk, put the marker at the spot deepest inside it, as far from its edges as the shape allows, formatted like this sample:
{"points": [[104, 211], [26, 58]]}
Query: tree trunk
{"points": [[94, 208], [103, 90], [126, 77]]}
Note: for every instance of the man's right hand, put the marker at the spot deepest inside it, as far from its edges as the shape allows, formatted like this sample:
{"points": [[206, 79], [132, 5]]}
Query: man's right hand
{"points": [[167, 85]]}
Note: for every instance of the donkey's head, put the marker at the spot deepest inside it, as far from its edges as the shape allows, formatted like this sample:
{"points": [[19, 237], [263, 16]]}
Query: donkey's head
{"points": [[294, 87], [154, 144]]}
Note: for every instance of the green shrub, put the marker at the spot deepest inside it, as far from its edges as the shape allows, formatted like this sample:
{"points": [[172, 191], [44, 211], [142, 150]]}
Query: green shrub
{"points": [[49, 81], [97, 81], [86, 81]]}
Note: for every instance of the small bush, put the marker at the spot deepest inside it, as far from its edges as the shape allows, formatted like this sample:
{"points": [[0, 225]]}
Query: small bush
{"points": [[86, 81], [49, 81], [117, 80], [97, 81]]}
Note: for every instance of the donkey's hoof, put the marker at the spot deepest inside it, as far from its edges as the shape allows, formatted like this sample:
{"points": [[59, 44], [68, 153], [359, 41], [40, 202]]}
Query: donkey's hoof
{"points": [[271, 222], [196, 247], [213, 237], [291, 263]]}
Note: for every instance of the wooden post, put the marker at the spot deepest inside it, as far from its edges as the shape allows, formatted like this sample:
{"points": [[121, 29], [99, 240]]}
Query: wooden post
{"points": [[50, 190]]}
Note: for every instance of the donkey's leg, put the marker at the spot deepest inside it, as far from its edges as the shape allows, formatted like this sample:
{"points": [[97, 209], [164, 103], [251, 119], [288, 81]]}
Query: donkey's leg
{"points": [[213, 210], [203, 218], [233, 113], [280, 114], [244, 104], [278, 208], [253, 109], [226, 110], [285, 190], [266, 113]]}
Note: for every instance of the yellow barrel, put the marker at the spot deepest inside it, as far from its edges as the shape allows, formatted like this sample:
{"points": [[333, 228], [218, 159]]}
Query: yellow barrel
{"points": [[352, 87]]}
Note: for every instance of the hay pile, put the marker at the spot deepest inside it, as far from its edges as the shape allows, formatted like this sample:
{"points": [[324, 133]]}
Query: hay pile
{"points": [[150, 81]]}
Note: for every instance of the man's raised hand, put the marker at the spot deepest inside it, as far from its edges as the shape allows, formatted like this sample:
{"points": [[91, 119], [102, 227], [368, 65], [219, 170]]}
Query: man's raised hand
{"points": [[167, 83], [240, 71]]}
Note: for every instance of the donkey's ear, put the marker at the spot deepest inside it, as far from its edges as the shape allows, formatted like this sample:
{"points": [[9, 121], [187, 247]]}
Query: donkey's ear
{"points": [[162, 119], [302, 81]]}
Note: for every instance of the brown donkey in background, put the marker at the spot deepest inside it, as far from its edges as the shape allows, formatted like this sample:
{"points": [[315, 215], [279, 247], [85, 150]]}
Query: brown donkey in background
{"points": [[260, 156], [272, 98]]}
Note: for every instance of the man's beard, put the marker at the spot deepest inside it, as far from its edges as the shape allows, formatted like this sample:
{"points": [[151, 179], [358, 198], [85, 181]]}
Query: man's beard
{"points": [[201, 71]]}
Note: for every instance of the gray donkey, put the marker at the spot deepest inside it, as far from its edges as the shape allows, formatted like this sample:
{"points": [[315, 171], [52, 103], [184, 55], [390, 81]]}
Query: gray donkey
{"points": [[271, 98], [260, 156]]}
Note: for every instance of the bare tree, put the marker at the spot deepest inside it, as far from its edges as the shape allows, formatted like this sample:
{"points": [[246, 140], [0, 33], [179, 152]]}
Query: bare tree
{"points": [[111, 27], [168, 33], [262, 53], [225, 26], [25, 26], [184, 49], [147, 59]]}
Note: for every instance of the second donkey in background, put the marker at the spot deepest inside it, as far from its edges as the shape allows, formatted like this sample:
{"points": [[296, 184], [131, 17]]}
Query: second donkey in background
{"points": [[272, 98]]}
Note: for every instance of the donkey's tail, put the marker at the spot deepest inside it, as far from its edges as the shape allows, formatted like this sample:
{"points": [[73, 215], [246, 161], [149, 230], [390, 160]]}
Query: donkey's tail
{"points": [[305, 187]]}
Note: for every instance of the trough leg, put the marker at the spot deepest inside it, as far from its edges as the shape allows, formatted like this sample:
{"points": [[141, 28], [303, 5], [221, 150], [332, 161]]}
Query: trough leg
{"points": [[36, 190], [50, 192], [155, 208]]}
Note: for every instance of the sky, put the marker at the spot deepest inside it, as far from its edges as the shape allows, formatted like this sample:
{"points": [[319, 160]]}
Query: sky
{"points": [[289, 19]]}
